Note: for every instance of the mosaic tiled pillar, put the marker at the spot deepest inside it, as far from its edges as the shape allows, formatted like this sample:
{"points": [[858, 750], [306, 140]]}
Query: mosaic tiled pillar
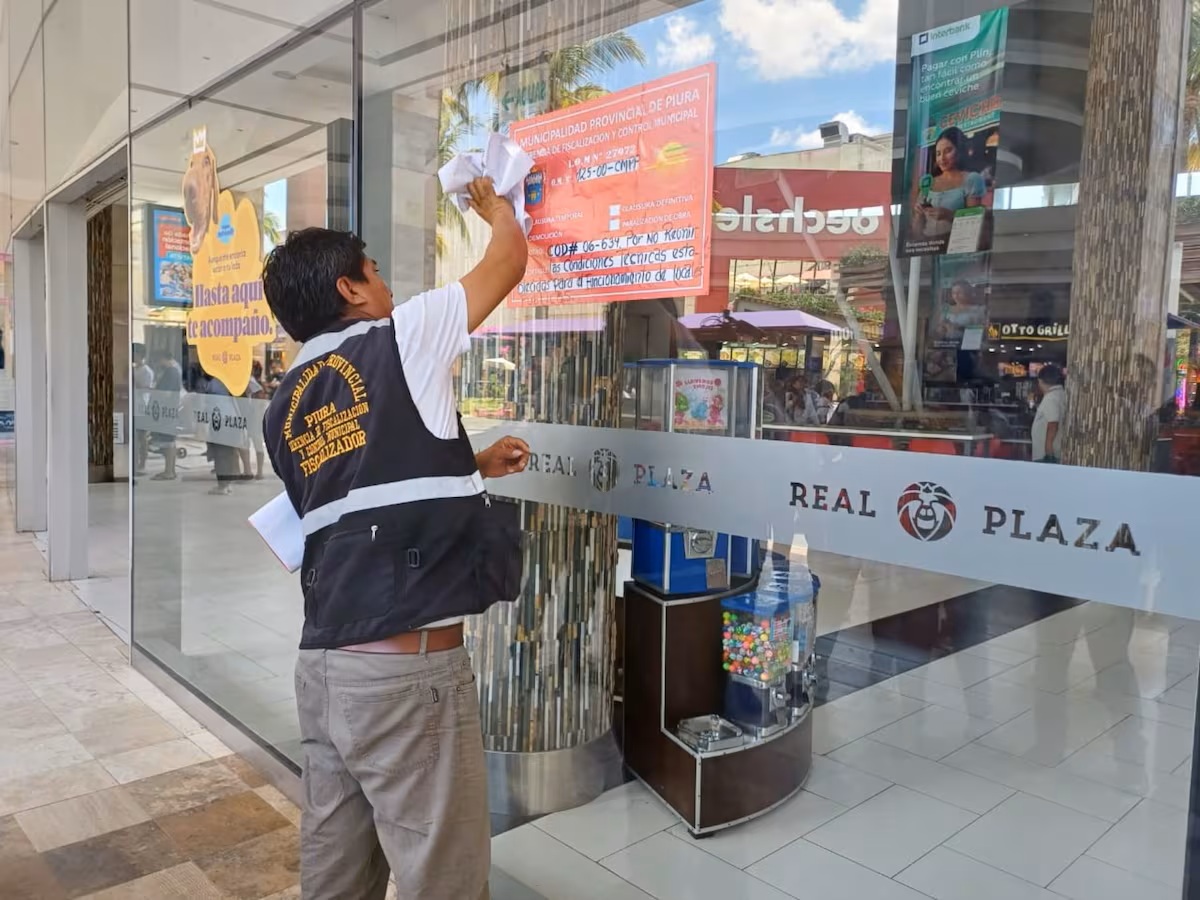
{"points": [[100, 345], [1124, 231], [545, 663]]}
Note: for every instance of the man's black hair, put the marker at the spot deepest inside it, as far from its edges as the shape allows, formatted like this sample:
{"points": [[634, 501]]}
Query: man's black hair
{"points": [[300, 278], [1051, 375]]}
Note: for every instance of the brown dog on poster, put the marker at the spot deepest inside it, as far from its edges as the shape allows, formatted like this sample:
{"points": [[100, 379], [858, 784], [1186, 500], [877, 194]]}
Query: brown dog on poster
{"points": [[200, 190]]}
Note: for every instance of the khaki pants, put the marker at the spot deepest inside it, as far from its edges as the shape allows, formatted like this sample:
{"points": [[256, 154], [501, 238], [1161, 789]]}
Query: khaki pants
{"points": [[394, 776]]}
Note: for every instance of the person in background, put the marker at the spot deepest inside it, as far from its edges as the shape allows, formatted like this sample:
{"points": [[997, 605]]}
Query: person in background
{"points": [[143, 384], [253, 415], [775, 399], [169, 384], [1047, 421], [840, 416], [825, 402], [224, 456], [802, 402]]}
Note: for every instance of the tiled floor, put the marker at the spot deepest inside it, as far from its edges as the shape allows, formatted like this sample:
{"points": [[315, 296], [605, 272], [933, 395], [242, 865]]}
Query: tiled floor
{"points": [[107, 789], [1052, 762]]}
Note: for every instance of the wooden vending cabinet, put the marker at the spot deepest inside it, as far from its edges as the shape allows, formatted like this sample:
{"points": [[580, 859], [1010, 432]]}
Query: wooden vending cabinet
{"points": [[674, 673]]}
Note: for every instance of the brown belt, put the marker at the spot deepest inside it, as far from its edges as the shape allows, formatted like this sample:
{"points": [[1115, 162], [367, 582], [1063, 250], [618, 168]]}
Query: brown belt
{"points": [[436, 640]]}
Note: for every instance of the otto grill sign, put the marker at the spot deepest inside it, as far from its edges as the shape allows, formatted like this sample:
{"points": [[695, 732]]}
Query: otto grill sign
{"points": [[1088, 533]]}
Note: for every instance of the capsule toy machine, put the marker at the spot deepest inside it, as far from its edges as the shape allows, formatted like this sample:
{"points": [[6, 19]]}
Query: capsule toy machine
{"points": [[716, 397], [767, 639]]}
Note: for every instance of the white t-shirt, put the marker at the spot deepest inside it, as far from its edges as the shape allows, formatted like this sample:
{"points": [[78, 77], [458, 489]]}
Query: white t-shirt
{"points": [[431, 332], [1052, 409]]}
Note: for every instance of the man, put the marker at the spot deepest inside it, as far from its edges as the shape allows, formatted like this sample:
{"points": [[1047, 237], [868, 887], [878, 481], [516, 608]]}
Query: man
{"points": [[1047, 421], [143, 384], [399, 546], [225, 452], [169, 383]]}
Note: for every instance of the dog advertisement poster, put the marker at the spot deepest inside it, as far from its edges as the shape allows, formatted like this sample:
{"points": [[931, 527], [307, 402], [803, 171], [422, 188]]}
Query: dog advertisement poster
{"points": [[229, 315]]}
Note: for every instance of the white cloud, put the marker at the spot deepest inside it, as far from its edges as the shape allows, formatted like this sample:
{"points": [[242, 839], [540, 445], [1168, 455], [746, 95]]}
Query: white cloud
{"points": [[784, 39], [684, 45], [800, 139]]}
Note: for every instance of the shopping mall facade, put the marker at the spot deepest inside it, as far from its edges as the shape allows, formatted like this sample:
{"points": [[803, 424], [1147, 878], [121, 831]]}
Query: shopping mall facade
{"points": [[801, 275]]}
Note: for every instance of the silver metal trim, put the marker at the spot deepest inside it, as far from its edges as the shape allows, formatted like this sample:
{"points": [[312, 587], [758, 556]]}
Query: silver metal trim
{"points": [[535, 784], [796, 722]]}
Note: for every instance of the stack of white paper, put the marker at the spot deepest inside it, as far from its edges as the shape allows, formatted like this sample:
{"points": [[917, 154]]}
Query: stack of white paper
{"points": [[504, 162], [278, 525]]}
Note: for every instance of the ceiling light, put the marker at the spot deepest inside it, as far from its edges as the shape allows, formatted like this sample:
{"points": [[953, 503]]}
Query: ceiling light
{"points": [[285, 75]]}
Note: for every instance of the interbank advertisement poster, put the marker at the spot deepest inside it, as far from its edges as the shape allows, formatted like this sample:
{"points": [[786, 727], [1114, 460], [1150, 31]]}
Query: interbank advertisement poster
{"points": [[960, 308], [621, 194], [952, 137]]}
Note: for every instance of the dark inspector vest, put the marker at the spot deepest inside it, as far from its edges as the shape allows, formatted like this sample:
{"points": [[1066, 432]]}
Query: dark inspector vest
{"points": [[399, 531]]}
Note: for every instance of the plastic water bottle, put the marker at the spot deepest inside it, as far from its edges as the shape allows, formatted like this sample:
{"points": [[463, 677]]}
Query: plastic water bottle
{"points": [[785, 578]]}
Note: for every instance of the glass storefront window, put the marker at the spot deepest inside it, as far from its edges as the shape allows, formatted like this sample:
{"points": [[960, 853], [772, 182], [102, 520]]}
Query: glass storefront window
{"points": [[811, 290], [237, 169]]}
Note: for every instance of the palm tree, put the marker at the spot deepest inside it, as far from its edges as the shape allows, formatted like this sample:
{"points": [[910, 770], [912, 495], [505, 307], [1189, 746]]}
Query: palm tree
{"points": [[572, 79], [272, 228], [572, 69], [455, 125]]}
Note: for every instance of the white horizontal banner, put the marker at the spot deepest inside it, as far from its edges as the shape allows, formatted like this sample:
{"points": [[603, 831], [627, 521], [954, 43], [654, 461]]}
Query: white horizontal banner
{"points": [[211, 418], [1097, 534]]}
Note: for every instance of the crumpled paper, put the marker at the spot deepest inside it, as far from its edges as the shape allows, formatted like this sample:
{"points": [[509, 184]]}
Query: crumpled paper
{"points": [[504, 162]]}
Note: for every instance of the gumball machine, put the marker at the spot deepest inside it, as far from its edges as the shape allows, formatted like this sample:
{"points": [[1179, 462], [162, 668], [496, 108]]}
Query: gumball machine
{"points": [[766, 646]]}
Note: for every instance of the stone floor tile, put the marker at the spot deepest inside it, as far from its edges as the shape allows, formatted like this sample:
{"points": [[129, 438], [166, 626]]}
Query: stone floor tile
{"points": [[183, 882], [52, 786], [14, 843], [221, 824], [80, 818], [173, 792], [257, 868], [244, 771], [29, 878], [134, 765], [280, 803], [112, 859], [121, 736]]}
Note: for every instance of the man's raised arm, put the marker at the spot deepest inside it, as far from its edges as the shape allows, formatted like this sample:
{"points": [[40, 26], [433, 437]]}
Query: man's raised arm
{"points": [[503, 263]]}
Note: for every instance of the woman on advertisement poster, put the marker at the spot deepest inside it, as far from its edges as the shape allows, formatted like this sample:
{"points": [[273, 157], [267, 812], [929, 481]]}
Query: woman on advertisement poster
{"points": [[948, 188]]}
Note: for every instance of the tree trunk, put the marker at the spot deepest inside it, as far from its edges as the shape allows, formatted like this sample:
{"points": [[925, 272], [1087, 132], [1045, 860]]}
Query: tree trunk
{"points": [[1124, 233]]}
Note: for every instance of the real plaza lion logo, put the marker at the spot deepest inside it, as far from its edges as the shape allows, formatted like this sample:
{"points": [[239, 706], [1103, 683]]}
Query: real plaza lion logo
{"points": [[604, 471], [926, 511]]}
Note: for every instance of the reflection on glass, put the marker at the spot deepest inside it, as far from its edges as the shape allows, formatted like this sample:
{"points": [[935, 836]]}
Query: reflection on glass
{"points": [[238, 169]]}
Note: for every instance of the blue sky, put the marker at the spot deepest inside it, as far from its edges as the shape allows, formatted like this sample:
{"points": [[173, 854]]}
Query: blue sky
{"points": [[275, 200], [783, 66]]}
